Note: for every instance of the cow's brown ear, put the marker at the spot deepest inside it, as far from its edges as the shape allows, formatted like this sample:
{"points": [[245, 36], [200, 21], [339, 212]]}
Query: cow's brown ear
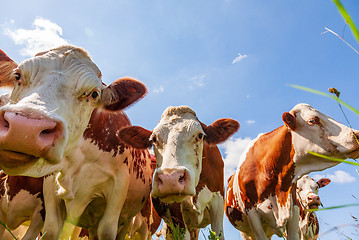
{"points": [[289, 120], [136, 137], [323, 182], [7, 65], [122, 93], [220, 130]]}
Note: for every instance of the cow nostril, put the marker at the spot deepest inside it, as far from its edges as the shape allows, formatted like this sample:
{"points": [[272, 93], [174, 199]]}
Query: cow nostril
{"points": [[182, 178], [48, 131]]}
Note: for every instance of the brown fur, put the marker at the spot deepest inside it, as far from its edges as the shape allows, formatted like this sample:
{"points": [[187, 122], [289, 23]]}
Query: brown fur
{"points": [[7, 65], [268, 169]]}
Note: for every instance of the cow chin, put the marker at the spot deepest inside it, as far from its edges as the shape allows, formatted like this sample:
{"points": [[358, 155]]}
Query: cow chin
{"points": [[10, 159], [354, 154], [173, 198], [14, 164]]}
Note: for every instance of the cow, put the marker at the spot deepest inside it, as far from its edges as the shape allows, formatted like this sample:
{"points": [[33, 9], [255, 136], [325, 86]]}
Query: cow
{"points": [[63, 123], [261, 196], [188, 184], [308, 199]]}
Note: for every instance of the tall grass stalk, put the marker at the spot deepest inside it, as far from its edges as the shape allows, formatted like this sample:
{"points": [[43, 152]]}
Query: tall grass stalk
{"points": [[347, 19]]}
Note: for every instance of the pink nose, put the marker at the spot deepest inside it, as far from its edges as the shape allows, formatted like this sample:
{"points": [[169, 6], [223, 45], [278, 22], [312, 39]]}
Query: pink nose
{"points": [[32, 136], [313, 198], [171, 181]]}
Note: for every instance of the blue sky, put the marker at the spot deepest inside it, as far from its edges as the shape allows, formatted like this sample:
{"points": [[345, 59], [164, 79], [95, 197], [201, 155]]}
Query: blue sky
{"points": [[223, 58]]}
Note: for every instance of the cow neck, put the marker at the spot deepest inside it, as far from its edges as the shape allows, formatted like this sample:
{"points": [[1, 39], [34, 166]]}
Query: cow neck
{"points": [[268, 169], [103, 130], [212, 170]]}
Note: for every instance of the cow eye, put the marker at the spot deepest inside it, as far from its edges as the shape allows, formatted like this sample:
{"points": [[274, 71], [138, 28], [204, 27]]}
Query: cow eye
{"points": [[17, 76], [313, 121], [200, 135], [154, 139], [94, 94]]}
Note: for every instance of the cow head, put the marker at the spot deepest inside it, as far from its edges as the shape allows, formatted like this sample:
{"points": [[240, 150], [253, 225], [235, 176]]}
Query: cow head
{"points": [[178, 142], [53, 96], [307, 191], [313, 131]]}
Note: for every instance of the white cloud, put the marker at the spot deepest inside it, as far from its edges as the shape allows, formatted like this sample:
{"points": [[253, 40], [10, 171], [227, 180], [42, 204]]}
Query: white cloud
{"points": [[233, 149], [197, 81], [239, 58], [44, 35], [337, 177], [251, 122], [160, 89]]}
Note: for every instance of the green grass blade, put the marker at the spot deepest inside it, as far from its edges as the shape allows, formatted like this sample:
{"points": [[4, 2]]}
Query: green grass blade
{"points": [[334, 207], [347, 18], [325, 95], [4, 225], [334, 159]]}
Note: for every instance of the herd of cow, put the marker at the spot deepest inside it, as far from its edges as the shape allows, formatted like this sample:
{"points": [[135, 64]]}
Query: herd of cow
{"points": [[70, 155]]}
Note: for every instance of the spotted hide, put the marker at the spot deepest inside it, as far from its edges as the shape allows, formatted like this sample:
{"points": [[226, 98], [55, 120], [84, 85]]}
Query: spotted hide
{"points": [[92, 178], [308, 199], [261, 196], [188, 186]]}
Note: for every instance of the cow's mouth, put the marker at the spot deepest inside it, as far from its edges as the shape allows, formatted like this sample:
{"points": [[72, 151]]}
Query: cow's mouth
{"points": [[11, 159], [314, 205], [353, 154], [173, 198]]}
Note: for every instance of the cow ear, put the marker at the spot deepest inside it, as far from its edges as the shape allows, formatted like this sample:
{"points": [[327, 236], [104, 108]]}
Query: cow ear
{"points": [[220, 130], [136, 137], [122, 93], [289, 120], [323, 182], [7, 65]]}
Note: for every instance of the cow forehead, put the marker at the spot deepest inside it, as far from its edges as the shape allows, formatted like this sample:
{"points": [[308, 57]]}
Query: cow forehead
{"points": [[67, 60], [177, 121], [307, 183]]}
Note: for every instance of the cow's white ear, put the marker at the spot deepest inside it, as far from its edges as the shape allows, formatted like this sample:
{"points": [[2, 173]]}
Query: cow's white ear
{"points": [[136, 137], [7, 65], [289, 120], [323, 182], [122, 93], [220, 130]]}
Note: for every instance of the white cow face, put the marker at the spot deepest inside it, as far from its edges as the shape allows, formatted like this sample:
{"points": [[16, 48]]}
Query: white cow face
{"points": [[178, 141], [316, 132], [307, 191], [50, 106], [178, 144]]}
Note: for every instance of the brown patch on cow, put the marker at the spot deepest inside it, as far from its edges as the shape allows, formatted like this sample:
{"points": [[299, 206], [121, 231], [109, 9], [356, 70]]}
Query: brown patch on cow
{"points": [[232, 210], [33, 185], [212, 174], [103, 130], [7, 65], [268, 169], [140, 158], [152, 218]]}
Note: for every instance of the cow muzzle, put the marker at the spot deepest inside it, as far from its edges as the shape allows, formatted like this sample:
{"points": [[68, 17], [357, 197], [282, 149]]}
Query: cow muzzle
{"points": [[24, 139], [313, 201], [172, 185]]}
